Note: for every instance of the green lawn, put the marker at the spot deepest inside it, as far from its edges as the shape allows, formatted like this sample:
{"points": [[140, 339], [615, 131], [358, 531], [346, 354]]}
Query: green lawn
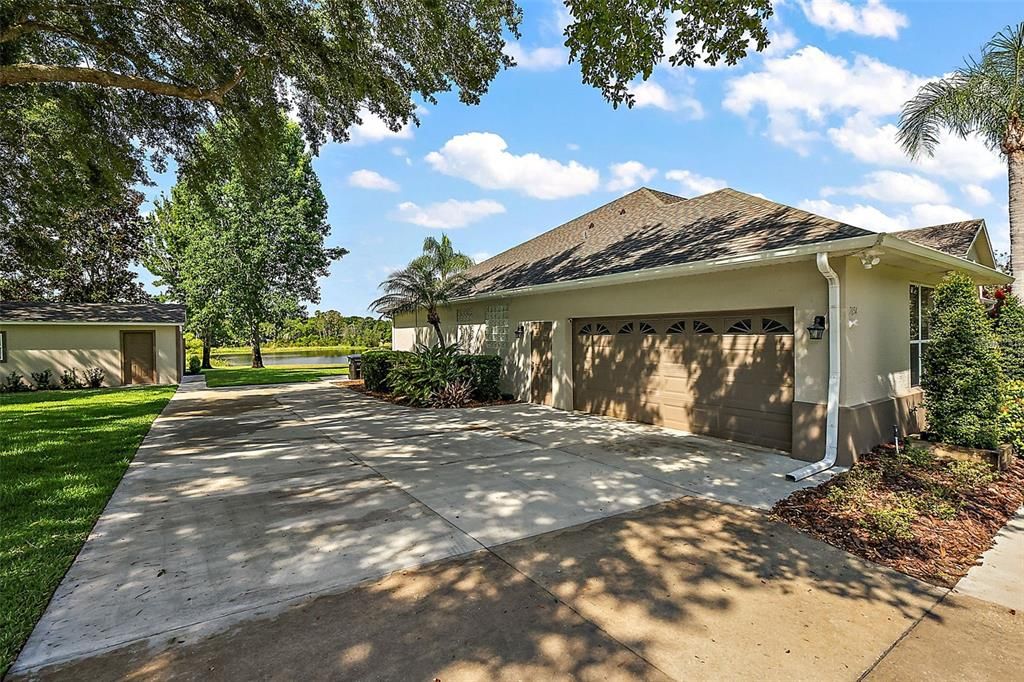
{"points": [[62, 454], [276, 374]]}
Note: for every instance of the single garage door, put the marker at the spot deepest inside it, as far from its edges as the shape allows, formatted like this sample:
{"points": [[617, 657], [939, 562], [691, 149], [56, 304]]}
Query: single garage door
{"points": [[727, 374]]}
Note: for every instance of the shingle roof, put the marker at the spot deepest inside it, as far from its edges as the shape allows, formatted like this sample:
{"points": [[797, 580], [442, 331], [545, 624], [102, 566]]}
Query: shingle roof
{"points": [[646, 229], [952, 238], [150, 313]]}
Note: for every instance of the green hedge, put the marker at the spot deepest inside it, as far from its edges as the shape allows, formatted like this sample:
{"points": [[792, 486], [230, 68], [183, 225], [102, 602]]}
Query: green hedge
{"points": [[962, 379], [377, 366], [485, 373], [1011, 416]]}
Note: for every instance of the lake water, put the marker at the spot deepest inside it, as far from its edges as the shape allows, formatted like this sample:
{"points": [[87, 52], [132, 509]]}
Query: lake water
{"points": [[292, 357]]}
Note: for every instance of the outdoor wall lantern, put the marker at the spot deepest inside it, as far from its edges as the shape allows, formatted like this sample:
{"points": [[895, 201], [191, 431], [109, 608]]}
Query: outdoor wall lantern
{"points": [[520, 330], [817, 329]]}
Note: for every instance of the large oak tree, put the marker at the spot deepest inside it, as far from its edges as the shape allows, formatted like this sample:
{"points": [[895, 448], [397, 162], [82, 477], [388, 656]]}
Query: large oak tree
{"points": [[240, 244]]}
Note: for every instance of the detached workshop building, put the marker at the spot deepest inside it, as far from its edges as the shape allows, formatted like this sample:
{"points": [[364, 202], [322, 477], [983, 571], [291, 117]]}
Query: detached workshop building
{"points": [[133, 343]]}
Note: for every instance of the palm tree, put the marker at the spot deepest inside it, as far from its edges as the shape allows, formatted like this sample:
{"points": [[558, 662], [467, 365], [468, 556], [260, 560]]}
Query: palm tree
{"points": [[429, 282], [982, 97]]}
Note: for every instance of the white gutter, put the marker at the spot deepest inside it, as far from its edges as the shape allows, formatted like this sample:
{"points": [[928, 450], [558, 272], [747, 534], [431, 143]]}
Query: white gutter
{"points": [[834, 376]]}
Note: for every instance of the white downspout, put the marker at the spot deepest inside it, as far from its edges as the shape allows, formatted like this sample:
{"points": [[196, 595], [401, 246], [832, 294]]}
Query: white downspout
{"points": [[834, 376]]}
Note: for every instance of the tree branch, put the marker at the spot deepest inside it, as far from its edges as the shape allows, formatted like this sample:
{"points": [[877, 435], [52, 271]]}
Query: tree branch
{"points": [[21, 74]]}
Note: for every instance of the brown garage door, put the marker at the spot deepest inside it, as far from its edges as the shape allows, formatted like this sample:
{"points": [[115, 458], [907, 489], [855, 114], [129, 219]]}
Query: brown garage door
{"points": [[726, 374]]}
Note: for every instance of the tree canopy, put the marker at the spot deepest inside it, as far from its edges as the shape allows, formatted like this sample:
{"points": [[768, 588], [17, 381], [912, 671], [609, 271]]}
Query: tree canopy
{"points": [[617, 40], [984, 97], [247, 246], [429, 282]]}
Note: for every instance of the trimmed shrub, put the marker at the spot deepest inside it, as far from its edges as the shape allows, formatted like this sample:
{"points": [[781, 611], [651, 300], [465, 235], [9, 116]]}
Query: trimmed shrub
{"points": [[69, 379], [1010, 330], [14, 383], [485, 374], [43, 380], [94, 377], [420, 377], [1011, 416], [456, 393], [962, 378], [195, 364], [377, 366]]}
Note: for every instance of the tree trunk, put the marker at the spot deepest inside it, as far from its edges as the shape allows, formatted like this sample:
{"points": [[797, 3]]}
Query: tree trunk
{"points": [[257, 354], [206, 355], [1016, 174], [435, 321]]}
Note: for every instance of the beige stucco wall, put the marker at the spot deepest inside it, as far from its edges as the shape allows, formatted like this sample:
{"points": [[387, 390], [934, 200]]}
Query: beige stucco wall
{"points": [[57, 347], [876, 344], [793, 285]]}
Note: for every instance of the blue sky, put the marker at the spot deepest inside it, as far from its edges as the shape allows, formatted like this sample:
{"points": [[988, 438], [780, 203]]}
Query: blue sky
{"points": [[808, 123]]}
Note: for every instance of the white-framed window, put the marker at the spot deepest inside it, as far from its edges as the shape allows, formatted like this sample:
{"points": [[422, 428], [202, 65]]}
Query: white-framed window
{"points": [[3, 346], [921, 302]]}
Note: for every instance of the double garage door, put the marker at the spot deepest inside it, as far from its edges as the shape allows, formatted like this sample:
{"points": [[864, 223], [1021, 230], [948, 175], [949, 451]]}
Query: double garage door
{"points": [[728, 375]]}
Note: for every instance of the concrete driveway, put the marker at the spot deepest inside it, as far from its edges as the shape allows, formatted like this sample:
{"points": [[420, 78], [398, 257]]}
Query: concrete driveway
{"points": [[306, 531]]}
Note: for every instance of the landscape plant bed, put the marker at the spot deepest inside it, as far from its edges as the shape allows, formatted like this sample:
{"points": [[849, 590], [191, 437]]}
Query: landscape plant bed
{"points": [[360, 387], [925, 517]]}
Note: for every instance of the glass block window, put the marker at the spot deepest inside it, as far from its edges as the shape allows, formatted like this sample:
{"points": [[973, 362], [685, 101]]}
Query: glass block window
{"points": [[627, 328], [464, 315], [646, 328], [676, 328], [740, 327], [920, 330], [770, 326], [701, 327], [496, 339]]}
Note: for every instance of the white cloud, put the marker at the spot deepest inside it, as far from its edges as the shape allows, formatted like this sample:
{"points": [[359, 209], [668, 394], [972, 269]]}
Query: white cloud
{"points": [[801, 90], [894, 187], [572, 146], [480, 257], [629, 174], [977, 194], [955, 157], [860, 215], [873, 18], [780, 42], [374, 129], [368, 179], [871, 218], [923, 215], [650, 94], [537, 58], [483, 159], [694, 183], [447, 214]]}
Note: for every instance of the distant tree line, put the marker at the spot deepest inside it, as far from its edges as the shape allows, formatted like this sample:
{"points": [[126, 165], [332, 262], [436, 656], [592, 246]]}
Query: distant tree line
{"points": [[329, 328]]}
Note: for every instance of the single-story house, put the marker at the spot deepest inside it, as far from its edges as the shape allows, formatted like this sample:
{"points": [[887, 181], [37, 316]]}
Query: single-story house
{"points": [[725, 314], [132, 343]]}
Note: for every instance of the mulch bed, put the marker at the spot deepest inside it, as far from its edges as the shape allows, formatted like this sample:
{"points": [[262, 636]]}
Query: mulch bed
{"points": [[937, 547], [360, 387]]}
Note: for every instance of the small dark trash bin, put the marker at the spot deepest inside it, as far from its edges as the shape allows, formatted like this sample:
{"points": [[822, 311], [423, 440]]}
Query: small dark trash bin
{"points": [[355, 367]]}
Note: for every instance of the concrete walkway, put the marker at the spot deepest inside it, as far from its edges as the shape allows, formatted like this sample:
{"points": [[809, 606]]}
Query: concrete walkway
{"points": [[304, 531], [975, 632]]}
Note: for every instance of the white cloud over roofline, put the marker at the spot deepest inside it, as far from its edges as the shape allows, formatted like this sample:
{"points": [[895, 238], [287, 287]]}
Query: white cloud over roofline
{"points": [[483, 159]]}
